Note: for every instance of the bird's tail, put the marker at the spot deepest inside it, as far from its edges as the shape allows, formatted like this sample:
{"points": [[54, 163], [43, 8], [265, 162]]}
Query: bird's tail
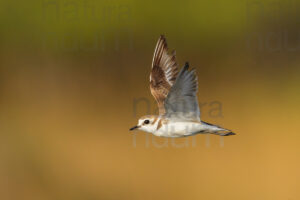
{"points": [[213, 129], [224, 132]]}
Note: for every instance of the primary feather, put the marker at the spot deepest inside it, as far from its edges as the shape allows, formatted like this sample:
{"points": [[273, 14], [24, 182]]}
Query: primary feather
{"points": [[182, 101], [163, 73]]}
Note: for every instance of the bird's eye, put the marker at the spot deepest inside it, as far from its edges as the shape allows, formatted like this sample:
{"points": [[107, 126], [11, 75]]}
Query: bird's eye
{"points": [[147, 121]]}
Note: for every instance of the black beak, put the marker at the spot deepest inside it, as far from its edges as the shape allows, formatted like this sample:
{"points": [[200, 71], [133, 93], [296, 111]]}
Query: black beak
{"points": [[133, 128]]}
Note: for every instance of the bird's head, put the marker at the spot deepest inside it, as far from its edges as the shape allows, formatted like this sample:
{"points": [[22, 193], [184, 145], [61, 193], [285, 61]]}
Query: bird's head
{"points": [[146, 123]]}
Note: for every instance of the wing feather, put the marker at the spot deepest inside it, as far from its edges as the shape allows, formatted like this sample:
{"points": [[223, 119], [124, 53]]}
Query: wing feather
{"points": [[163, 73], [182, 101]]}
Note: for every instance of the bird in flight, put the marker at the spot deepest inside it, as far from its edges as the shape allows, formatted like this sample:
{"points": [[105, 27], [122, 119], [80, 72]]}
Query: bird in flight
{"points": [[176, 95]]}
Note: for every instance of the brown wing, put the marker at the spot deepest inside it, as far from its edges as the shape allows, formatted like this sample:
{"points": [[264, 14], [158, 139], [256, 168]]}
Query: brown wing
{"points": [[163, 74]]}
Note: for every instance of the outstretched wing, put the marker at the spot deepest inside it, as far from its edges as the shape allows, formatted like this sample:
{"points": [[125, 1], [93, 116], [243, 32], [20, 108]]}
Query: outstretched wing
{"points": [[163, 74], [182, 99]]}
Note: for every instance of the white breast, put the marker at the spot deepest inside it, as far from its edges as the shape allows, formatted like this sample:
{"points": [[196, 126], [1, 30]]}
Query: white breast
{"points": [[179, 129]]}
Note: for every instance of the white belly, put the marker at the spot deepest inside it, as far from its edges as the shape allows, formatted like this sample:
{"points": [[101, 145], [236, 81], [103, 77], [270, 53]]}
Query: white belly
{"points": [[179, 129]]}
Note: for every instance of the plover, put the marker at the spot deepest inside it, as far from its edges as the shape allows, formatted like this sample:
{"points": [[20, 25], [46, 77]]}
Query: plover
{"points": [[176, 96]]}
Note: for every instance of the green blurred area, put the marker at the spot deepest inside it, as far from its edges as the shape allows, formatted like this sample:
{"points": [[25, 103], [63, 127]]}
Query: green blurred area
{"points": [[34, 21], [71, 72]]}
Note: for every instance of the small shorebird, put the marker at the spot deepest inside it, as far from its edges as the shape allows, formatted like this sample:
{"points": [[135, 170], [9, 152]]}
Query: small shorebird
{"points": [[176, 95]]}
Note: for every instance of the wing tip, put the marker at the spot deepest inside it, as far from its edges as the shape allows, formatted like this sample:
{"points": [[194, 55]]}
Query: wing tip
{"points": [[186, 66], [162, 36]]}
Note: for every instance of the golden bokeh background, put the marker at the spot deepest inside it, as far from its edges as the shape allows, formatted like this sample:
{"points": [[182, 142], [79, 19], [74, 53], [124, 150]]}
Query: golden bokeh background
{"points": [[74, 79]]}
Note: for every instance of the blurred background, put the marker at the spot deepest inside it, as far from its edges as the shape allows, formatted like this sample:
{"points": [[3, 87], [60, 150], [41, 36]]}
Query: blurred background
{"points": [[74, 77]]}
